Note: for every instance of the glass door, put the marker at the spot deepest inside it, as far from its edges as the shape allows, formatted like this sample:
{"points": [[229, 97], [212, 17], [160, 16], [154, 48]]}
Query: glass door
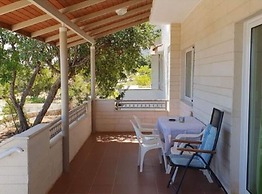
{"points": [[254, 149]]}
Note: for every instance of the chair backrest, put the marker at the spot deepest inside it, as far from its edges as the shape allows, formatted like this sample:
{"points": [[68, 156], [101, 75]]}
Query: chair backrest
{"points": [[211, 134], [138, 122], [208, 142], [139, 135], [216, 118]]}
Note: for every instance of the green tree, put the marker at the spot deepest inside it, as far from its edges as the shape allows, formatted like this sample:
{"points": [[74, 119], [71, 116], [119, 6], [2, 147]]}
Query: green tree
{"points": [[143, 76], [29, 67], [119, 54]]}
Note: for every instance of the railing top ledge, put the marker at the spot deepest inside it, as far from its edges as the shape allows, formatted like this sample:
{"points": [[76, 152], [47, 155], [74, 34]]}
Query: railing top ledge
{"points": [[10, 151]]}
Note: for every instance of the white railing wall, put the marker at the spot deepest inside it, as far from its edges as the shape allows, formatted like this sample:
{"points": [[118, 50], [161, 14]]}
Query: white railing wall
{"points": [[108, 119], [159, 105], [39, 165]]}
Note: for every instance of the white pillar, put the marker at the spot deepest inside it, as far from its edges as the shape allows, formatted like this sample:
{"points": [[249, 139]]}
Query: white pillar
{"points": [[93, 73], [93, 85], [64, 96]]}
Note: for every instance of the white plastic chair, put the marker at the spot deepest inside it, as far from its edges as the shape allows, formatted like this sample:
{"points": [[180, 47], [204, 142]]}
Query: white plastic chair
{"points": [[147, 143], [144, 127], [183, 142]]}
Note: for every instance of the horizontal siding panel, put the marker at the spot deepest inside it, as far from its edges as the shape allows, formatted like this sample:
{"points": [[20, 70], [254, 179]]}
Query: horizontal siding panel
{"points": [[214, 50], [215, 90], [224, 82], [225, 68], [229, 56], [214, 98]]}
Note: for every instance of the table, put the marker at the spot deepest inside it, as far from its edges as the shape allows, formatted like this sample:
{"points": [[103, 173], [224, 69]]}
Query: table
{"points": [[170, 129]]}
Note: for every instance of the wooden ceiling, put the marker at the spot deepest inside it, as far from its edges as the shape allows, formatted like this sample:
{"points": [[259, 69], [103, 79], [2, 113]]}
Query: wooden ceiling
{"points": [[86, 20]]}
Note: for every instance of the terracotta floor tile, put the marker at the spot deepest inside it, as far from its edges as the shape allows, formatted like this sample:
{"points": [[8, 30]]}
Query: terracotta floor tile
{"points": [[101, 189], [107, 164]]}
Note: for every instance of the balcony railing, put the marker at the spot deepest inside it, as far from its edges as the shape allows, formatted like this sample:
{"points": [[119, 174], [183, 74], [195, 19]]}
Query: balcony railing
{"points": [[75, 114], [141, 105]]}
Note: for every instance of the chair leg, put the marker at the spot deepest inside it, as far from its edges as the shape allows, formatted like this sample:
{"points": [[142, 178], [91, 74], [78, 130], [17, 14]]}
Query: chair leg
{"points": [[173, 173], [160, 157], [164, 158], [142, 159], [139, 156], [217, 180], [181, 181], [207, 174]]}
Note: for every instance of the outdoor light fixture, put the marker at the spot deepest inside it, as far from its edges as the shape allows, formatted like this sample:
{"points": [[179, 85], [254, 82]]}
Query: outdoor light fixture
{"points": [[121, 11]]}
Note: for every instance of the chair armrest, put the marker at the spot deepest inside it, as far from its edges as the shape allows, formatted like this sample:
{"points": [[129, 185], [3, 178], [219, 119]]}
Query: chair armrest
{"points": [[187, 141], [148, 125], [180, 136], [151, 135], [196, 150]]}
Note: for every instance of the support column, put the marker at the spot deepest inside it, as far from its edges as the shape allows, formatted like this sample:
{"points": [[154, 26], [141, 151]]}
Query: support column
{"points": [[93, 85], [93, 73], [64, 96]]}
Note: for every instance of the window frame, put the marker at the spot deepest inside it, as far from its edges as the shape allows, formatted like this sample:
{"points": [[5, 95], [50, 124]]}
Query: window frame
{"points": [[187, 98]]}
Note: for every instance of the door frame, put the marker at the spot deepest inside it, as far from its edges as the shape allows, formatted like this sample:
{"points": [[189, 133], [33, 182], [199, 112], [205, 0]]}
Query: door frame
{"points": [[248, 25]]}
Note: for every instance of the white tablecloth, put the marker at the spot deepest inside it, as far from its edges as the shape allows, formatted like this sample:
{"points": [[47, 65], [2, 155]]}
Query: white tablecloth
{"points": [[170, 129]]}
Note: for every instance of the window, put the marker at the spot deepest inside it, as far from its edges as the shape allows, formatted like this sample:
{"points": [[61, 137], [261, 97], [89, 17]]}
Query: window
{"points": [[189, 68]]}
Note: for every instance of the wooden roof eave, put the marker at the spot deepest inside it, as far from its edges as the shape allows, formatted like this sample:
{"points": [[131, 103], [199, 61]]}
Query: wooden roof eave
{"points": [[41, 19], [49, 9], [104, 22]]}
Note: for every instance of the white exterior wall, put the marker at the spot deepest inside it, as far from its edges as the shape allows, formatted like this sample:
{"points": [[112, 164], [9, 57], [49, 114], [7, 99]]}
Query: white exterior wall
{"points": [[37, 168], [155, 71], [171, 38], [165, 30], [144, 94], [215, 29], [107, 119]]}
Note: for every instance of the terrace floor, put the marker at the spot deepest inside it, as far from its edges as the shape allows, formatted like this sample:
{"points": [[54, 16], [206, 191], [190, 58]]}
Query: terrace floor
{"points": [[107, 164]]}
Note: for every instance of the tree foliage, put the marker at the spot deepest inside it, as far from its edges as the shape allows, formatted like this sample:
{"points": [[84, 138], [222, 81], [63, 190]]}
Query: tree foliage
{"points": [[31, 68], [120, 53], [143, 76]]}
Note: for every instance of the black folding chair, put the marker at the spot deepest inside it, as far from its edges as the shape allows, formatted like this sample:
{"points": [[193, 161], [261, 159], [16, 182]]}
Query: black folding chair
{"points": [[202, 156]]}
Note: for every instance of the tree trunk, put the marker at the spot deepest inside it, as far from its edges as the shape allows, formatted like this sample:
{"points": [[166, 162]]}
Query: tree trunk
{"points": [[48, 101], [23, 122], [29, 85]]}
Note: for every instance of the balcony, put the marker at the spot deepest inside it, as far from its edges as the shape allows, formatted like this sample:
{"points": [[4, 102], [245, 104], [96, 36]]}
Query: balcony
{"points": [[101, 162]]}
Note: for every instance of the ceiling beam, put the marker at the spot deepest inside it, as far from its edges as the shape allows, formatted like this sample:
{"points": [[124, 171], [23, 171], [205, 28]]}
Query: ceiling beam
{"points": [[89, 16], [120, 28], [71, 39], [81, 41], [45, 30], [104, 22], [113, 26], [117, 17], [76, 43], [14, 6], [80, 5], [47, 7], [121, 23], [30, 22], [105, 11], [46, 17], [56, 36]]}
